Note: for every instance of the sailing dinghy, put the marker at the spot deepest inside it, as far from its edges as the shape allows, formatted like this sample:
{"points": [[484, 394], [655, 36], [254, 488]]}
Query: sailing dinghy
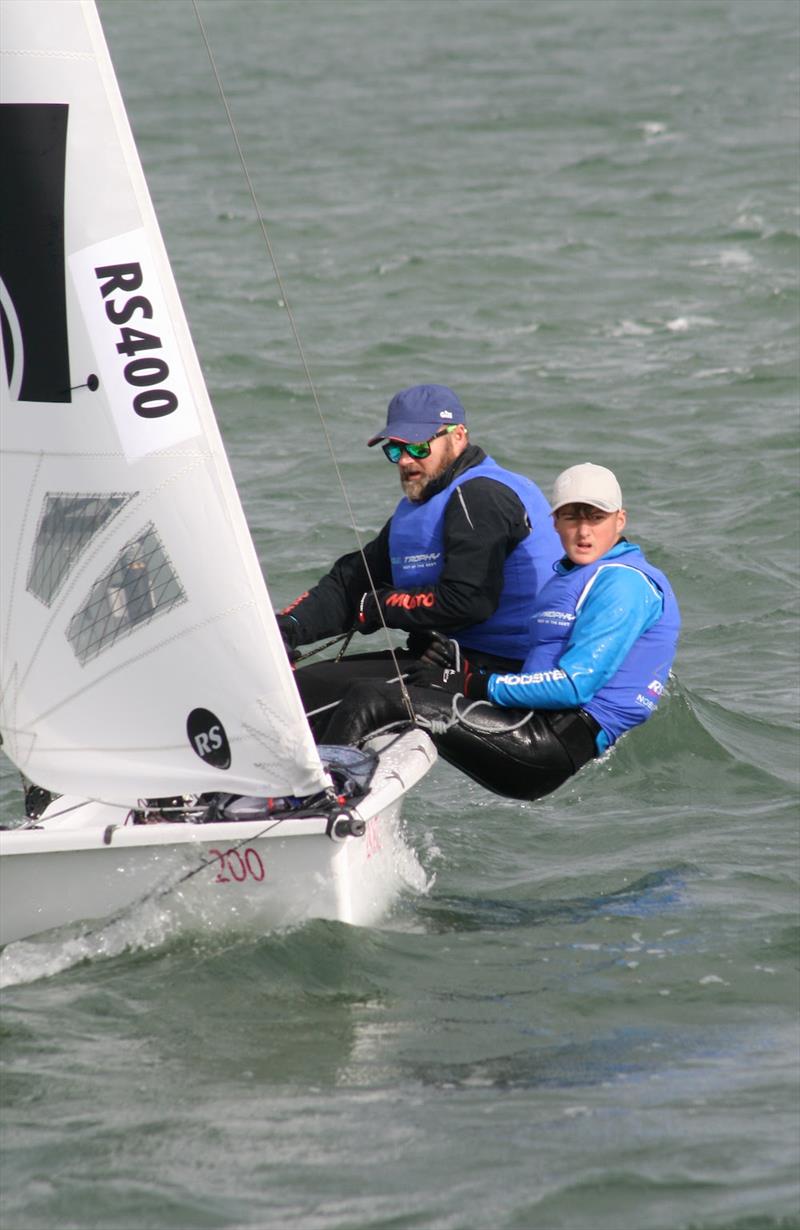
{"points": [[142, 676]]}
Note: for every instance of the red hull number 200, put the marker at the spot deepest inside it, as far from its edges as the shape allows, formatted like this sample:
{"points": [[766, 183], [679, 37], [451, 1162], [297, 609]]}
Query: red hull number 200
{"points": [[238, 865]]}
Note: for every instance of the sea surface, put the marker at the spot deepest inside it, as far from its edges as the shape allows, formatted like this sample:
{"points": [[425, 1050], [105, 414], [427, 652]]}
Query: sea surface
{"points": [[584, 216]]}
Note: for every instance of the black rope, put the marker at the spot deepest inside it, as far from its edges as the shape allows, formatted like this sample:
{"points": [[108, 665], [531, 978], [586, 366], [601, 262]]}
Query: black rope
{"points": [[309, 653]]}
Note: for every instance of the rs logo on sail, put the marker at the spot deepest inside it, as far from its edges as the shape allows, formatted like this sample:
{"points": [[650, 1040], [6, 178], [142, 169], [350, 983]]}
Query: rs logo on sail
{"points": [[208, 739], [143, 371]]}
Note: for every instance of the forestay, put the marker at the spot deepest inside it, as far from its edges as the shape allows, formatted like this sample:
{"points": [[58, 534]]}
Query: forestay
{"points": [[140, 655]]}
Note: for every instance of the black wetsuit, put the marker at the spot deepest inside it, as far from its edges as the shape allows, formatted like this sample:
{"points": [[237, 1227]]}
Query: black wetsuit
{"points": [[514, 752]]}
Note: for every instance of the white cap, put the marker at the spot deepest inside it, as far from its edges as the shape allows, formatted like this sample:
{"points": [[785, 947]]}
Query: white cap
{"points": [[587, 484]]}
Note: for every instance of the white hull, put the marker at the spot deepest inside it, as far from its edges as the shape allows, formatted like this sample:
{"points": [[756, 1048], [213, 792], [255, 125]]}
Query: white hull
{"points": [[84, 866]]}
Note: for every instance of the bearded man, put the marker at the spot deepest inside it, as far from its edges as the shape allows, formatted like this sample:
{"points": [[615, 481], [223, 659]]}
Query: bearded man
{"points": [[464, 555]]}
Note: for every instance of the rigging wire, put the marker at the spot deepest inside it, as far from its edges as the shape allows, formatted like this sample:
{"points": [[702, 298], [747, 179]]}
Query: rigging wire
{"points": [[296, 335]]}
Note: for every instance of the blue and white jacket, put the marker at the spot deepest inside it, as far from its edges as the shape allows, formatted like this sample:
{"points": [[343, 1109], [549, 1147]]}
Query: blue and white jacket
{"points": [[603, 638]]}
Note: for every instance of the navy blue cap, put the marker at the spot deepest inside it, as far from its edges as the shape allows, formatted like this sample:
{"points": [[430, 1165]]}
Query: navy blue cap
{"points": [[419, 412]]}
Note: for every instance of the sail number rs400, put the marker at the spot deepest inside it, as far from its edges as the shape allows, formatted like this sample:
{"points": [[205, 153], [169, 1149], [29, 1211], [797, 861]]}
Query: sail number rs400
{"points": [[144, 370]]}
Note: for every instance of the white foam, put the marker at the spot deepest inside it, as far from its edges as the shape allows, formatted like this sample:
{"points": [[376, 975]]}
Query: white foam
{"points": [[682, 324], [652, 128], [29, 960], [631, 328], [735, 258]]}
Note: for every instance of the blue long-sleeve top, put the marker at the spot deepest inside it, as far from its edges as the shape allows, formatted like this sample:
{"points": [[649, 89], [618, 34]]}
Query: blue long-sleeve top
{"points": [[620, 606]]}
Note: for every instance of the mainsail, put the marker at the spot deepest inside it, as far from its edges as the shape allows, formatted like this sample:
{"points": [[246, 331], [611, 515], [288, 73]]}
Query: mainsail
{"points": [[139, 655]]}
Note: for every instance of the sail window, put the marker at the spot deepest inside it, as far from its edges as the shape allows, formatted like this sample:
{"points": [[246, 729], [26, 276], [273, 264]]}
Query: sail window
{"points": [[139, 586], [67, 525]]}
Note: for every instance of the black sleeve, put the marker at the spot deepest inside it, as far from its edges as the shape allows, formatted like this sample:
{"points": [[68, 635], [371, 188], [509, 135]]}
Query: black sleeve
{"points": [[484, 520], [332, 605]]}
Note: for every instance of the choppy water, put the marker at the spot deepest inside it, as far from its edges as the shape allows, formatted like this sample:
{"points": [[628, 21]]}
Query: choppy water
{"points": [[585, 217]]}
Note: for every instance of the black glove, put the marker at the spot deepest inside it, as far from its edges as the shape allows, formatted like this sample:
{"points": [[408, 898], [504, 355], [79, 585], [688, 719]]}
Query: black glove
{"points": [[290, 631], [436, 650], [368, 618], [469, 683]]}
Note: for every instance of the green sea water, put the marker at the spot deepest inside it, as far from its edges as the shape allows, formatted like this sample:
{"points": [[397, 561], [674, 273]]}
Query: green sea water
{"points": [[585, 217]]}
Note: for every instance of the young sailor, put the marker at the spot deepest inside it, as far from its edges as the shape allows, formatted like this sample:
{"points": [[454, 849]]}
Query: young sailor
{"points": [[465, 552], [604, 632]]}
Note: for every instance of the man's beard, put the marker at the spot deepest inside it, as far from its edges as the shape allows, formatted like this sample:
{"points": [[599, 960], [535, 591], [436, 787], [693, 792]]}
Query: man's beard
{"points": [[414, 488]]}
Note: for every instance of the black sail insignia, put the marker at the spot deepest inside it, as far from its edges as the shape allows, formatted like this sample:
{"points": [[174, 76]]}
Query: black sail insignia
{"points": [[33, 302], [208, 738]]}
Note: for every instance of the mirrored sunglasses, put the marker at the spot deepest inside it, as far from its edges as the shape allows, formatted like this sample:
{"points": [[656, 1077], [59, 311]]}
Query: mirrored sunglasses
{"points": [[394, 449]]}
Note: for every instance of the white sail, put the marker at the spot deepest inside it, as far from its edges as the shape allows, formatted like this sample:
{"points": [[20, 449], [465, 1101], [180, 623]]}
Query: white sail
{"points": [[139, 655]]}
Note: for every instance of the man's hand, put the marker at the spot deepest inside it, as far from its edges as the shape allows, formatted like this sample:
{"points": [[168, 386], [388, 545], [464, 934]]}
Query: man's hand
{"points": [[473, 684], [437, 650], [290, 631], [368, 618]]}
